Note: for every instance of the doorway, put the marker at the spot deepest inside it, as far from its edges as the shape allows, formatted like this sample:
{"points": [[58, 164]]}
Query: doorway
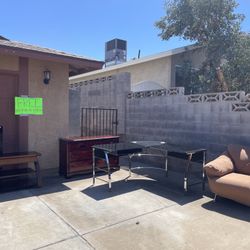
{"points": [[8, 90]]}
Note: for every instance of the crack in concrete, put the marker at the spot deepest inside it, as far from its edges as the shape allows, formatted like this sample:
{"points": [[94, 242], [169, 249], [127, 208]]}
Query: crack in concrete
{"points": [[68, 224], [93, 231], [129, 219], [54, 243]]}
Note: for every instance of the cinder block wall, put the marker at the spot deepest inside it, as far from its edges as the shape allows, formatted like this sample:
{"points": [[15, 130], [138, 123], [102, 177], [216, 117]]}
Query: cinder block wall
{"points": [[209, 120], [105, 92]]}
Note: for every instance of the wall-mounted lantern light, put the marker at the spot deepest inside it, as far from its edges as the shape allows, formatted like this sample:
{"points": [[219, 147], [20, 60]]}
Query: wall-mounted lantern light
{"points": [[47, 76]]}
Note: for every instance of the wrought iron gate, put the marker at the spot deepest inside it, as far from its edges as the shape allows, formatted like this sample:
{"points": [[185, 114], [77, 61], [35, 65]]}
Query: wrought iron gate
{"points": [[98, 122]]}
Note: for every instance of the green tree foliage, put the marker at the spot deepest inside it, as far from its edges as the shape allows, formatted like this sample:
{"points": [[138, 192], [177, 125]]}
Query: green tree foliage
{"points": [[213, 25], [237, 68], [195, 80]]}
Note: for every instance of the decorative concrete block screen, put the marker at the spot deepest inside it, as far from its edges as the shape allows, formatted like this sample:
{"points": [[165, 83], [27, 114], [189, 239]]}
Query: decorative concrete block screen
{"points": [[211, 120]]}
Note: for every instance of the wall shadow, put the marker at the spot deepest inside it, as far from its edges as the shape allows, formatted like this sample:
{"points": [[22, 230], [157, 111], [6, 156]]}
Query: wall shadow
{"points": [[24, 187], [229, 208], [169, 190]]}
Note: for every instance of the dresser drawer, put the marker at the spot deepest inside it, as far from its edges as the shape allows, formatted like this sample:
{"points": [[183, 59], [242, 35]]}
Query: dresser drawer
{"points": [[87, 145], [84, 146], [80, 155], [80, 166], [76, 155], [86, 165]]}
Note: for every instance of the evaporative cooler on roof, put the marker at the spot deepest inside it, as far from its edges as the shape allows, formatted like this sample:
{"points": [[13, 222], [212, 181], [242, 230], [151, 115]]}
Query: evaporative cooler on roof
{"points": [[115, 52]]}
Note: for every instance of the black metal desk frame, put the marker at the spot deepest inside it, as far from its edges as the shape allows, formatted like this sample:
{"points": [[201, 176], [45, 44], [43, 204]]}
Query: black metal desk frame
{"points": [[190, 155], [194, 155], [118, 149], [160, 146]]}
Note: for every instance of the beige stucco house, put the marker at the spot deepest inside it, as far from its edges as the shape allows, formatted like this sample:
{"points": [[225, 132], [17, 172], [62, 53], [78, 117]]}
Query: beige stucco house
{"points": [[22, 69], [151, 71]]}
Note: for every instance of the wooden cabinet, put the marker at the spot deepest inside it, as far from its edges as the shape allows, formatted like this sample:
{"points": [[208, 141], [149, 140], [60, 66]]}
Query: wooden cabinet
{"points": [[7, 161], [76, 154]]}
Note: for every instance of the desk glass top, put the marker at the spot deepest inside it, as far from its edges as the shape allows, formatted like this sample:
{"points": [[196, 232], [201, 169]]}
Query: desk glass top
{"points": [[164, 146], [119, 148], [149, 144], [137, 147], [183, 149]]}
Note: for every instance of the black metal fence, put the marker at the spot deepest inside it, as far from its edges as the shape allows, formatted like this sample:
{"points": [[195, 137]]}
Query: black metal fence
{"points": [[98, 122]]}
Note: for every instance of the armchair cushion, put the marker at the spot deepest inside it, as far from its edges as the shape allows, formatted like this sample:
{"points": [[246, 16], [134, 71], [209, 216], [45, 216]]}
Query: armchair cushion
{"points": [[233, 186], [241, 158], [222, 165]]}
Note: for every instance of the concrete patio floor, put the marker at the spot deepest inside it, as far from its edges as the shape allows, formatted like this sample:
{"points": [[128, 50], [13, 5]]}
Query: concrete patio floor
{"points": [[149, 211]]}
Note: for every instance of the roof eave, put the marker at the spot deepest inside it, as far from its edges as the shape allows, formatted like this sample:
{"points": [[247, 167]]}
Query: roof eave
{"points": [[141, 60], [79, 62]]}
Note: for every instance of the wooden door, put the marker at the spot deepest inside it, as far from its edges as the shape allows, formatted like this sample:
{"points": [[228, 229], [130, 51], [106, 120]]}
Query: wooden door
{"points": [[8, 90]]}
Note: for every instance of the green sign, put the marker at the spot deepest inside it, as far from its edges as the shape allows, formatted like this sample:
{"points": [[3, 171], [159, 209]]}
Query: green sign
{"points": [[28, 106]]}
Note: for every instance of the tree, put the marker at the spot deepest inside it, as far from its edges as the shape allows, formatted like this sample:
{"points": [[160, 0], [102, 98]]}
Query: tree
{"points": [[236, 69], [186, 75], [212, 24]]}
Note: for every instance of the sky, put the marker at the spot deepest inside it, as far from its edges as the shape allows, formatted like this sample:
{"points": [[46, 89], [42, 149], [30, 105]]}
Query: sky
{"points": [[83, 26]]}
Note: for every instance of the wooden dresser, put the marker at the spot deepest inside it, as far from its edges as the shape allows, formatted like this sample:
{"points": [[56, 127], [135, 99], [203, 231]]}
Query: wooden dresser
{"points": [[76, 154]]}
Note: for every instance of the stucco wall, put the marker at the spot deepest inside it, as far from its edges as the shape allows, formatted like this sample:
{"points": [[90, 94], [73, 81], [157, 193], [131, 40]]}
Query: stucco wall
{"points": [[45, 130], [9, 62], [158, 70]]}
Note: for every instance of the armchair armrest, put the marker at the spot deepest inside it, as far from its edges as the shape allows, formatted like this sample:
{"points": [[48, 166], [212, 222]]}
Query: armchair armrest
{"points": [[220, 166]]}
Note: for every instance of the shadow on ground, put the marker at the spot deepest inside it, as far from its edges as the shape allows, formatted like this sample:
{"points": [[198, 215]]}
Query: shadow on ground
{"points": [[228, 208], [152, 181], [24, 187]]}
